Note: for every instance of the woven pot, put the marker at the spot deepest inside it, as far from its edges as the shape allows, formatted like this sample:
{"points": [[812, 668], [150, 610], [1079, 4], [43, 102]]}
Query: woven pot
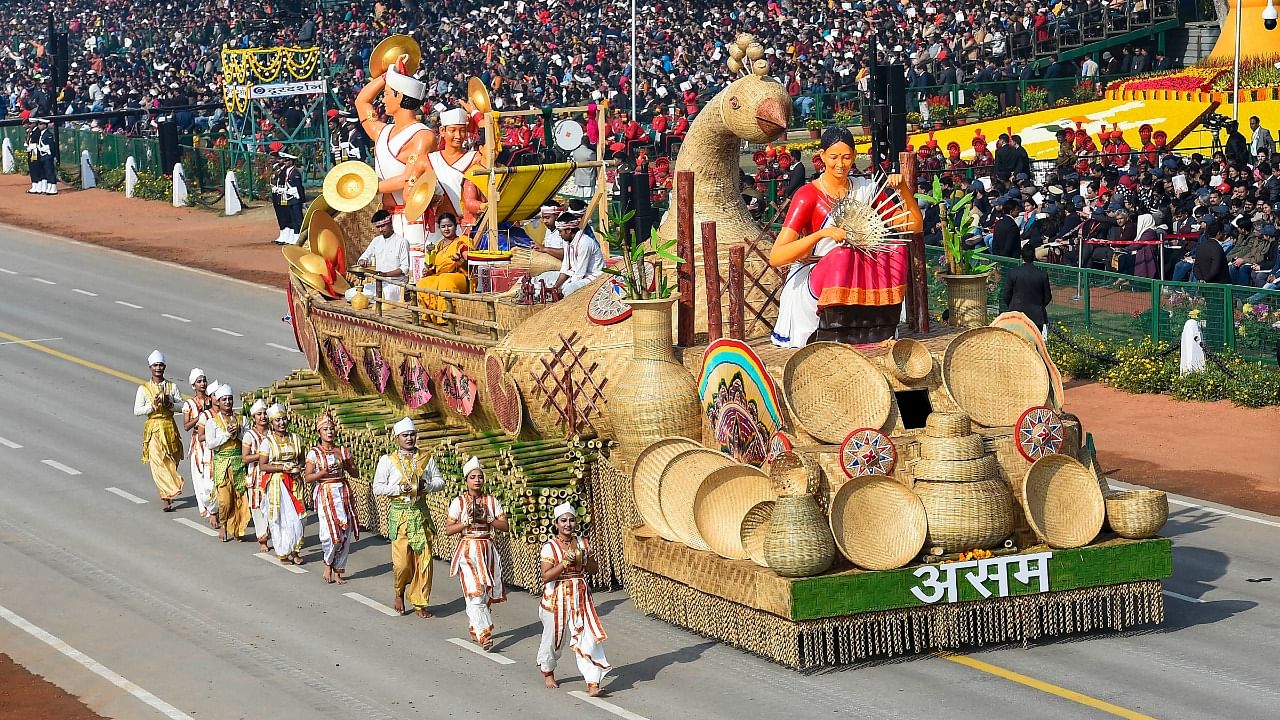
{"points": [[799, 543], [963, 447], [947, 424], [966, 515], [967, 299], [1137, 514], [912, 361], [655, 395]]}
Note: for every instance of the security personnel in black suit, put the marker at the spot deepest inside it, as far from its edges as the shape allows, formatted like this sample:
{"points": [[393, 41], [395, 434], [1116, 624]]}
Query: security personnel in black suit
{"points": [[1027, 289], [1006, 240]]}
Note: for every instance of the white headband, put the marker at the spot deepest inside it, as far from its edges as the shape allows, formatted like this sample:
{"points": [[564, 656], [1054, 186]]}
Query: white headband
{"points": [[402, 427], [456, 116], [258, 406], [196, 374], [223, 391], [405, 84], [155, 357], [275, 411], [563, 509], [472, 464]]}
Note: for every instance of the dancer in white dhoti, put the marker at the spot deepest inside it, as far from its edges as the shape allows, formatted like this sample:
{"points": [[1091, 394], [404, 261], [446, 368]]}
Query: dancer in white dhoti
{"points": [[195, 410], [475, 516], [328, 466], [567, 607], [251, 442], [581, 263], [281, 461]]}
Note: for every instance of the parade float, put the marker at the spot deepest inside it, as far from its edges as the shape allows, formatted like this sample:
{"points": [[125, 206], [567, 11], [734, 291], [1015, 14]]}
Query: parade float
{"points": [[815, 506]]}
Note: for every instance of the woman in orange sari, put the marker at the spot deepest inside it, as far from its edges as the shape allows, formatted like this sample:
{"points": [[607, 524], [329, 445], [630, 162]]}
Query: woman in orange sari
{"points": [[446, 268]]}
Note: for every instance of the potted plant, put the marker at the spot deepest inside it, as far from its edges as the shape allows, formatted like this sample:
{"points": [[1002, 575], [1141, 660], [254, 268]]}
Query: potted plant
{"points": [[844, 118], [966, 273], [913, 121], [986, 105], [1035, 98], [815, 128], [939, 111]]}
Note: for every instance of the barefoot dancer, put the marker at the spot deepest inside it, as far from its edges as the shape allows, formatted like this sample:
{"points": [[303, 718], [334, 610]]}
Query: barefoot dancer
{"points": [[251, 441], [406, 476], [280, 457], [328, 466], [567, 605], [194, 412], [476, 515], [161, 444], [226, 465]]}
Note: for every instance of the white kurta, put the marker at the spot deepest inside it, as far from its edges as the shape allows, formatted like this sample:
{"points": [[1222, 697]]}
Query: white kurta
{"points": [[583, 262], [286, 524], [567, 609], [387, 254], [201, 484]]}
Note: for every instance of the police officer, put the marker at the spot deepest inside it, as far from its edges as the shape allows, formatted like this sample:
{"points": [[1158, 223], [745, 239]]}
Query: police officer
{"points": [[277, 196], [293, 195], [34, 168], [47, 149]]}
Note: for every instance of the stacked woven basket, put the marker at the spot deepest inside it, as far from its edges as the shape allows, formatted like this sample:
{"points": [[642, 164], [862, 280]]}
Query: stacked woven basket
{"points": [[967, 503]]}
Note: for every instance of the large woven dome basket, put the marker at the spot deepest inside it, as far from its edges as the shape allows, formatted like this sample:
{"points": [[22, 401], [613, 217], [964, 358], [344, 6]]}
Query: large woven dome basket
{"points": [[878, 523], [678, 487], [646, 475], [994, 375], [833, 390], [722, 503], [1062, 502]]}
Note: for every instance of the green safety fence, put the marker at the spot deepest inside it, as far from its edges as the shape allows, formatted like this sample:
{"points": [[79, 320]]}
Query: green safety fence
{"points": [[1118, 307]]}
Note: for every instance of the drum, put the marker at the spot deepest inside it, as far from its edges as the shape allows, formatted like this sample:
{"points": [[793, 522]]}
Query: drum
{"points": [[568, 134]]}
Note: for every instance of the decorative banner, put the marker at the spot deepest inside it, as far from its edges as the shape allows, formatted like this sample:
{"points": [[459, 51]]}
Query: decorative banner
{"points": [[376, 367], [867, 451], [458, 389], [262, 92], [260, 67], [339, 358], [414, 382], [1039, 433], [739, 401]]}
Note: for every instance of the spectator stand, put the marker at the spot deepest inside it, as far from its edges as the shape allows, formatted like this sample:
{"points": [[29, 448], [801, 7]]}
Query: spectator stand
{"points": [[255, 77]]}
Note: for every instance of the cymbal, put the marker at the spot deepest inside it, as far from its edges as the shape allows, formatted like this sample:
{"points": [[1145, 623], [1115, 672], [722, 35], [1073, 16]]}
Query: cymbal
{"points": [[307, 267], [421, 195], [326, 238], [478, 95], [317, 205], [389, 51], [350, 186]]}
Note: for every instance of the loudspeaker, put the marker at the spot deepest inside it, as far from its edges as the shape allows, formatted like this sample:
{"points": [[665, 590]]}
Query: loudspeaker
{"points": [[896, 89], [170, 154], [61, 60], [878, 85]]}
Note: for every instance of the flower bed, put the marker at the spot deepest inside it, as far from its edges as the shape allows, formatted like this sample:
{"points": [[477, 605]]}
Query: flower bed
{"points": [[1197, 79]]}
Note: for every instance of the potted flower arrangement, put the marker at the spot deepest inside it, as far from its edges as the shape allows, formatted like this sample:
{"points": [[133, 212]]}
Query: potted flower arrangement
{"points": [[843, 118], [986, 105], [913, 121], [815, 128], [939, 111], [1035, 98], [966, 275]]}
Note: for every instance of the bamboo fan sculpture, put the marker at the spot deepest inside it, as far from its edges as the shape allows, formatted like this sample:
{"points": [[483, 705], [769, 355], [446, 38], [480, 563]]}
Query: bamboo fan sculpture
{"points": [[873, 216]]}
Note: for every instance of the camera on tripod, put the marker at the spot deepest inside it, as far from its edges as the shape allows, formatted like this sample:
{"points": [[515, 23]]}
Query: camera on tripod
{"points": [[1215, 121]]}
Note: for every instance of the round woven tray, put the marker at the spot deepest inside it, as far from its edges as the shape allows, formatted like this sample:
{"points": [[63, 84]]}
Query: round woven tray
{"points": [[964, 447], [947, 424], [723, 500], [1062, 501], [833, 390], [912, 361], [983, 468], [878, 523], [994, 375], [1137, 514], [755, 527], [678, 486], [645, 476]]}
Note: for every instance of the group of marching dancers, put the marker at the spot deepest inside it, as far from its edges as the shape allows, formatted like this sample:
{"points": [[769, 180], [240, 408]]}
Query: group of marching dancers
{"points": [[256, 470]]}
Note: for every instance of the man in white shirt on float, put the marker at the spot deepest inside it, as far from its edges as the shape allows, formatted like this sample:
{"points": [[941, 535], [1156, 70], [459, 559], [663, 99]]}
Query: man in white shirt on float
{"points": [[387, 255], [583, 262]]}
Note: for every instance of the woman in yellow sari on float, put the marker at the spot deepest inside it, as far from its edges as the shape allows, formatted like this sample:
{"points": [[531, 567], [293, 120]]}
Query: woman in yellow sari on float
{"points": [[446, 268]]}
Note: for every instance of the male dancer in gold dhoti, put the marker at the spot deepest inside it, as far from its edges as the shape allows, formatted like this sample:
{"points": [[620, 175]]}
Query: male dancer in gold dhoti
{"points": [[406, 476], [161, 444]]}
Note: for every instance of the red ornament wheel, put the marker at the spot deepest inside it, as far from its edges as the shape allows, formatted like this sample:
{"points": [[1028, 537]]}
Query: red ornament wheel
{"points": [[1039, 433], [867, 451], [606, 306], [303, 333]]}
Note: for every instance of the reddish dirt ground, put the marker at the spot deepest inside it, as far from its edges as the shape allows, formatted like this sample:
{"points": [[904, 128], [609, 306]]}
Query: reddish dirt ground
{"points": [[25, 696]]}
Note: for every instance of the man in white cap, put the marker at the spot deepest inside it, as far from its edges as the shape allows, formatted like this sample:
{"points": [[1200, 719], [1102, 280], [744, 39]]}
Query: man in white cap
{"points": [[567, 606], [542, 230], [161, 445], [455, 194], [293, 194], [400, 147], [47, 153], [252, 441], [195, 410], [406, 476], [476, 515], [226, 465]]}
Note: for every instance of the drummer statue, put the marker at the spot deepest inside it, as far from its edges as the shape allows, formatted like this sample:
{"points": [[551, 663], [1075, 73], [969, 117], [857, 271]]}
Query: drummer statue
{"points": [[400, 147]]}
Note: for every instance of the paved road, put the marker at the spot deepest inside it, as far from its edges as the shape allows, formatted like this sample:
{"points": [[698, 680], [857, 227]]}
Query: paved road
{"points": [[212, 631]]}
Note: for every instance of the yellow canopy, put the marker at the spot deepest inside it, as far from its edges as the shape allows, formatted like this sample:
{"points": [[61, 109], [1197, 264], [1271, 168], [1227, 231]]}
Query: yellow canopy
{"points": [[523, 189]]}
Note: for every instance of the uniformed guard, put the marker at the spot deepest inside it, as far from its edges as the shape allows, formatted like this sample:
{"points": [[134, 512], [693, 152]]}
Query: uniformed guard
{"points": [[277, 197], [34, 168], [48, 150], [294, 195]]}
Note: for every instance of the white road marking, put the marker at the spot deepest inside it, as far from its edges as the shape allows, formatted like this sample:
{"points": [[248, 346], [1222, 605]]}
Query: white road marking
{"points": [[468, 645], [227, 332], [7, 271], [28, 342], [10, 444], [607, 706], [281, 347], [1220, 511], [42, 281], [128, 305], [84, 292], [193, 524], [276, 561], [372, 603], [126, 495], [93, 666], [1180, 596], [59, 466], [174, 317]]}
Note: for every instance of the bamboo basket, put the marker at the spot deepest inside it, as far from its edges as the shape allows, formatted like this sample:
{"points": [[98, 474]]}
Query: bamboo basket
{"points": [[912, 361], [832, 390], [1062, 502], [947, 424], [967, 299], [799, 543], [994, 375], [983, 468], [755, 528], [878, 523], [964, 447], [646, 476], [1137, 514], [721, 505], [966, 515]]}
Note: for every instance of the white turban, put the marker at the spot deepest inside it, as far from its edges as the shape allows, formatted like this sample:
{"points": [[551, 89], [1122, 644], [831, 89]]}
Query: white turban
{"points": [[196, 374], [275, 411], [223, 391], [472, 464], [155, 357], [402, 427], [258, 406], [405, 84], [456, 116], [563, 509]]}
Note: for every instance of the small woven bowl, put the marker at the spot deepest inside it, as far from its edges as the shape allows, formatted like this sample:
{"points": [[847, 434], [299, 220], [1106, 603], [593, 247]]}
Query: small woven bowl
{"points": [[912, 361], [1137, 514], [755, 526]]}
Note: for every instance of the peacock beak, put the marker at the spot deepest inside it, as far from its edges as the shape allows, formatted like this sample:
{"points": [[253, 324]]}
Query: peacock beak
{"points": [[772, 117]]}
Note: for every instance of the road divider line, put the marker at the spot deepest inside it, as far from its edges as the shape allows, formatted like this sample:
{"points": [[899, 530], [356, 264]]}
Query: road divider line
{"points": [[224, 331], [10, 444], [174, 317], [59, 466], [606, 706], [92, 665], [193, 524], [1045, 687], [372, 603], [468, 645], [84, 292], [1228, 513], [1180, 596], [42, 281], [282, 347], [126, 495], [77, 360], [28, 342], [128, 305], [7, 271], [276, 561]]}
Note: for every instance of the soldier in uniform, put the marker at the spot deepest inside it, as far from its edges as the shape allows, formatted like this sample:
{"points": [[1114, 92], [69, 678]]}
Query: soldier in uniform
{"points": [[983, 160], [34, 168], [44, 156], [277, 195], [293, 195], [959, 167], [355, 144]]}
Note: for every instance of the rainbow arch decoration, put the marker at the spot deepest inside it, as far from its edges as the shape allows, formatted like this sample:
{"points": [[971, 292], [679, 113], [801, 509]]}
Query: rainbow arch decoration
{"points": [[739, 400]]}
